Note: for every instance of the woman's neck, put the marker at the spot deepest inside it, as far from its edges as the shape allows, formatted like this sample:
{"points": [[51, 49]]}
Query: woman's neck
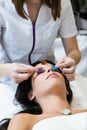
{"points": [[33, 2], [33, 9], [54, 104]]}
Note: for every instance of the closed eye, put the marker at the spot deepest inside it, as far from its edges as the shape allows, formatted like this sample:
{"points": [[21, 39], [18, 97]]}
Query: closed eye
{"points": [[40, 70]]}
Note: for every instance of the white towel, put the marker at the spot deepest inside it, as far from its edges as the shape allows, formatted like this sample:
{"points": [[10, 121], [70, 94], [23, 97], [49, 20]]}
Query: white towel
{"points": [[70, 122]]}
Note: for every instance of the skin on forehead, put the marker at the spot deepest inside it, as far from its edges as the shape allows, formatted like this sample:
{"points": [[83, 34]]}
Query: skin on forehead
{"points": [[43, 65]]}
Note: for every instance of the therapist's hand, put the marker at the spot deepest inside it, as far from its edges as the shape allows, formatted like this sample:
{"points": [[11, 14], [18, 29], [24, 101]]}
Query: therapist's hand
{"points": [[68, 67], [19, 72]]}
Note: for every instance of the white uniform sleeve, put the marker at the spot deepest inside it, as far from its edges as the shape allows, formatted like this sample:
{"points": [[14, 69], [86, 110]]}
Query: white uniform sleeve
{"points": [[68, 26], [2, 26]]}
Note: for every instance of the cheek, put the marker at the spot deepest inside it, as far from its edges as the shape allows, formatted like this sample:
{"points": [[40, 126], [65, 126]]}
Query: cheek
{"points": [[57, 83], [41, 87], [38, 83]]}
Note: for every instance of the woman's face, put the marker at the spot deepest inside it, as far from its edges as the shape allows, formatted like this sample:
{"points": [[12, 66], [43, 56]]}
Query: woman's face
{"points": [[48, 81]]}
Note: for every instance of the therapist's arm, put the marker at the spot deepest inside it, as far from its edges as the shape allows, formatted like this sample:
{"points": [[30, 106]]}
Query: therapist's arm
{"points": [[71, 48], [68, 63]]}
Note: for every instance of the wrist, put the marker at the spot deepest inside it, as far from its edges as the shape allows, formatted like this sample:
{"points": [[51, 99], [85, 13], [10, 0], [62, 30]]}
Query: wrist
{"points": [[4, 70]]}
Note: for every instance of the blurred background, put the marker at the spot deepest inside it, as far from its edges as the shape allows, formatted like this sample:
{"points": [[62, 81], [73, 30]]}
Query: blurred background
{"points": [[80, 12]]}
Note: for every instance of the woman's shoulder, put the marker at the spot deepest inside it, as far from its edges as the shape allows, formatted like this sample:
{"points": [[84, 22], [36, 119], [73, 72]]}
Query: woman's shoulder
{"points": [[21, 121], [23, 116], [65, 4], [79, 111]]}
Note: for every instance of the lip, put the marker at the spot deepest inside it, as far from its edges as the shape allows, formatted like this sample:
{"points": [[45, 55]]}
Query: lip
{"points": [[52, 74]]}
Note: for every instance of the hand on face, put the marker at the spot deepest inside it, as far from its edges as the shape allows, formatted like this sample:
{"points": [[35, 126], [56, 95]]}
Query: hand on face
{"points": [[68, 67]]}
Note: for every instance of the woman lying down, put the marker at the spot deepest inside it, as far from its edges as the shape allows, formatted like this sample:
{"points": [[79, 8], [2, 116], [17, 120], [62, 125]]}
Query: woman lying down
{"points": [[46, 98]]}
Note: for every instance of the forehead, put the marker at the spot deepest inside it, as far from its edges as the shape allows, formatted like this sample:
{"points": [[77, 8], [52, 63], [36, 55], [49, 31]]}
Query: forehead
{"points": [[44, 65]]}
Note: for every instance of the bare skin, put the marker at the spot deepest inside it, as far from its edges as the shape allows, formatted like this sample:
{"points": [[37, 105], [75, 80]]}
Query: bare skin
{"points": [[27, 121], [52, 95]]}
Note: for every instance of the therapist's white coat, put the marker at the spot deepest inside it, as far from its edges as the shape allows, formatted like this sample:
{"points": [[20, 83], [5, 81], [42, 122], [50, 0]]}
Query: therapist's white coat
{"points": [[16, 35]]}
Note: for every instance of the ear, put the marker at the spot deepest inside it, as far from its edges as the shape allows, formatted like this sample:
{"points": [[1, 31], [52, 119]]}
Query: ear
{"points": [[31, 96], [67, 92]]}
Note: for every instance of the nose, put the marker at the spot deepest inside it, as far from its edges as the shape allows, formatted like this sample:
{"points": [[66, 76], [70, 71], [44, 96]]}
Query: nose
{"points": [[53, 68], [50, 69]]}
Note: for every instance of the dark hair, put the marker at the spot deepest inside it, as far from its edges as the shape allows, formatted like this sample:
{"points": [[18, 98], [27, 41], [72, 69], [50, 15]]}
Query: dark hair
{"points": [[4, 124], [55, 6], [32, 107]]}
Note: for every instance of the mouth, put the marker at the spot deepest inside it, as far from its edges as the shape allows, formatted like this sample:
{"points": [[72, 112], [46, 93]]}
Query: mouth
{"points": [[51, 75]]}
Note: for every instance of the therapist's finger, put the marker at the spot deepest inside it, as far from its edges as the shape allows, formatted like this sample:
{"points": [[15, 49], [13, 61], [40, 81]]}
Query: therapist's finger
{"points": [[70, 77], [26, 69], [65, 62], [69, 70], [17, 78]]}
